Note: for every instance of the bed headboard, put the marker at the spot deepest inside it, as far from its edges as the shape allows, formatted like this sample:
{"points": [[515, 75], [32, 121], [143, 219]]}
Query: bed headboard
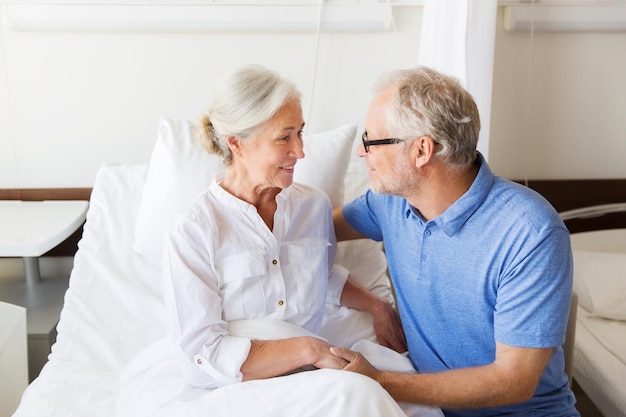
{"points": [[566, 194]]}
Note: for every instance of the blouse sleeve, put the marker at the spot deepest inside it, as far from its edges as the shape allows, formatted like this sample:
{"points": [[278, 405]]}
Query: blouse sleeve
{"points": [[209, 356]]}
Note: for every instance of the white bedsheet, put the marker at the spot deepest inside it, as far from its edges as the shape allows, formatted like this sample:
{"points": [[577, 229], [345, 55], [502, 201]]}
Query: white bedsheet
{"points": [[111, 357], [610, 333]]}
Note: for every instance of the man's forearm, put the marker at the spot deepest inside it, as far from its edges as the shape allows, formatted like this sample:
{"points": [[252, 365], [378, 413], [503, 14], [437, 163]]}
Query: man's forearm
{"points": [[460, 389], [511, 378]]}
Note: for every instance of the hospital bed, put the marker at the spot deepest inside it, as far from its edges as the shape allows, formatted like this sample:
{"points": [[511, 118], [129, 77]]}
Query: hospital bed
{"points": [[112, 357], [599, 365]]}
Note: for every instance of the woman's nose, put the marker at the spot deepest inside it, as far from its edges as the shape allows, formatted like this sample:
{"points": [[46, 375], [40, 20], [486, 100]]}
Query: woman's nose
{"points": [[298, 148]]}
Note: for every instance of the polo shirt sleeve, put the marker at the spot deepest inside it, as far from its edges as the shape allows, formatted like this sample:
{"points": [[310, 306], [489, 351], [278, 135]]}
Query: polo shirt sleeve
{"points": [[534, 294], [361, 214]]}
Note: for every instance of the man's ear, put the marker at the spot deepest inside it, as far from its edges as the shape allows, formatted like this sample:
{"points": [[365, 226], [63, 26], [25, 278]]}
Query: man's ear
{"points": [[423, 150]]}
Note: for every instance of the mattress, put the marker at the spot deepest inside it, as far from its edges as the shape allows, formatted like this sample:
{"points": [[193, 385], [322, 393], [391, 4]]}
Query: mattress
{"points": [[600, 373], [600, 344]]}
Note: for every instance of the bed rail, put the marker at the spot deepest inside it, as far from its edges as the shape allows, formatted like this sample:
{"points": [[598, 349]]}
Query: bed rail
{"points": [[593, 211]]}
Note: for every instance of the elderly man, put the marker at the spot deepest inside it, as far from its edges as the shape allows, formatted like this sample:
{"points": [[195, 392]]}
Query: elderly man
{"points": [[481, 266]]}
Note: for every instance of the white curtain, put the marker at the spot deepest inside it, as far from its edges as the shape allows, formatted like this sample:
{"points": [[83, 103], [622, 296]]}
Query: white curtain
{"points": [[458, 38]]}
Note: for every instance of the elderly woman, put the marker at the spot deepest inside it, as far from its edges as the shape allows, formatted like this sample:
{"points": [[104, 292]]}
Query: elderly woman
{"points": [[256, 245]]}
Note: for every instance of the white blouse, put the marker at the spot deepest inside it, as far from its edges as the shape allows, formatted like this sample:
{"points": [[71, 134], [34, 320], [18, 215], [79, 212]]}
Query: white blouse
{"points": [[222, 263]]}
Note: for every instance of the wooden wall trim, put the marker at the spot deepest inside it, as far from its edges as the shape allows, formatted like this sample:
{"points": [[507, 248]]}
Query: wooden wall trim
{"points": [[571, 194], [40, 194], [566, 194]]}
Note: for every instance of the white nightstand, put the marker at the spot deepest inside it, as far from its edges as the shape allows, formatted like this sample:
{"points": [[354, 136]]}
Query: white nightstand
{"points": [[29, 229], [13, 359]]}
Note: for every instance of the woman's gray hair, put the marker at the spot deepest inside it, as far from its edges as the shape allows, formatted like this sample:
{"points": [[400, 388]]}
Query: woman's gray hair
{"points": [[243, 101], [429, 103]]}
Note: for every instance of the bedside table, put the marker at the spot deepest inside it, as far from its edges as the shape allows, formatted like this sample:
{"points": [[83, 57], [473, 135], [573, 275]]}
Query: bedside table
{"points": [[28, 229], [13, 359]]}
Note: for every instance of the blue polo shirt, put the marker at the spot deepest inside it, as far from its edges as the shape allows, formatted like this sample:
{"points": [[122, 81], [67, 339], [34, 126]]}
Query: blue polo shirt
{"points": [[495, 266]]}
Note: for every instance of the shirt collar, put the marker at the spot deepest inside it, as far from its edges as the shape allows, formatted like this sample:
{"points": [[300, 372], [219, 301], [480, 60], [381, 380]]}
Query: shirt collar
{"points": [[451, 220]]}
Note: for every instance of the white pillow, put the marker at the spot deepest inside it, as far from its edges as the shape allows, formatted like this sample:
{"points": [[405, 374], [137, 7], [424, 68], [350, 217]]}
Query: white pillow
{"points": [[180, 169], [600, 282], [364, 258], [357, 180], [325, 162]]}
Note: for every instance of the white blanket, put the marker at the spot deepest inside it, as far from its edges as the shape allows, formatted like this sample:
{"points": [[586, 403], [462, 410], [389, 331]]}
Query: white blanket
{"points": [[151, 385]]}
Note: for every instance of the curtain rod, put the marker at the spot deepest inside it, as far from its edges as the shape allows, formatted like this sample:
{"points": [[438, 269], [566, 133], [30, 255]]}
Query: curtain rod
{"points": [[367, 17]]}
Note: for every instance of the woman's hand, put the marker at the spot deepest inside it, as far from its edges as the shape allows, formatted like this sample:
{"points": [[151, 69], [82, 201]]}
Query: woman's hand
{"points": [[319, 354], [388, 327], [269, 358], [385, 318]]}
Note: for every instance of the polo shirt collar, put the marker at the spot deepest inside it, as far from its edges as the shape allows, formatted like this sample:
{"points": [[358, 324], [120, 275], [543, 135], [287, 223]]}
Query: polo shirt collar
{"points": [[451, 220]]}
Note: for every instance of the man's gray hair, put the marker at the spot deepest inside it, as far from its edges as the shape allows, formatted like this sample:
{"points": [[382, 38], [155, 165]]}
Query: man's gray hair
{"points": [[429, 103]]}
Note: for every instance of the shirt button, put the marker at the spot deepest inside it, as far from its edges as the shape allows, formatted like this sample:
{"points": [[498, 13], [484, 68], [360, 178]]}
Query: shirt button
{"points": [[199, 361], [281, 302], [274, 261], [427, 233]]}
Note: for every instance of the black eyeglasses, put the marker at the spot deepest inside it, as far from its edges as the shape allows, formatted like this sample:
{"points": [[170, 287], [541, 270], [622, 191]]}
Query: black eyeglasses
{"points": [[367, 143]]}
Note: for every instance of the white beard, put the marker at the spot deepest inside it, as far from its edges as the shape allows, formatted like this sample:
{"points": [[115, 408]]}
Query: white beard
{"points": [[401, 182]]}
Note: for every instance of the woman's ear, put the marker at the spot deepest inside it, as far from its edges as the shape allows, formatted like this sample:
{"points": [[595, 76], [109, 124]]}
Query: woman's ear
{"points": [[234, 144]]}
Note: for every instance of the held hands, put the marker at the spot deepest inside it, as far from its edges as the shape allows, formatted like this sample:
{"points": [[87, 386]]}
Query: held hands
{"points": [[320, 353], [357, 363]]}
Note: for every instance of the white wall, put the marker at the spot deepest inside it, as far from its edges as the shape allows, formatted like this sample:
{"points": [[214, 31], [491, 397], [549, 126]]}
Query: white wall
{"points": [[559, 105], [78, 100], [72, 101]]}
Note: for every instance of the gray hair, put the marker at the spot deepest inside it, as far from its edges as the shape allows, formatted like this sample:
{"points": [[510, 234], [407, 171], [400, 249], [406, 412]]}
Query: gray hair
{"points": [[429, 103], [244, 100]]}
